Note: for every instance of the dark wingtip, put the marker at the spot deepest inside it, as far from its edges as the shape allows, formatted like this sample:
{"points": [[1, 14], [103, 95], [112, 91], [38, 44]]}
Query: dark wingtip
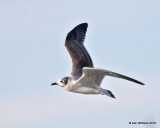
{"points": [[82, 26], [72, 34], [140, 83], [143, 84]]}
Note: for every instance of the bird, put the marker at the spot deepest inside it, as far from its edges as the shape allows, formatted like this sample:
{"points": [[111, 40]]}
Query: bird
{"points": [[85, 78]]}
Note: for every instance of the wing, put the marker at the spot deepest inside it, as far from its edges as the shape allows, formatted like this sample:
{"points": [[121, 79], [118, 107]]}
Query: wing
{"points": [[79, 55], [97, 75]]}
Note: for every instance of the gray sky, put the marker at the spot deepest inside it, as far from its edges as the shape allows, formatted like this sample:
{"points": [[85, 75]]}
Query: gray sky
{"points": [[123, 36]]}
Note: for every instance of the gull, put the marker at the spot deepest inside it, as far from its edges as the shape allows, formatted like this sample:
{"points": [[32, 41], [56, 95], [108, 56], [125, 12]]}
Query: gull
{"points": [[85, 79]]}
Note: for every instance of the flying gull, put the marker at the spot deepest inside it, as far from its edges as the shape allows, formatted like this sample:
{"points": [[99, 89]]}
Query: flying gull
{"points": [[84, 77]]}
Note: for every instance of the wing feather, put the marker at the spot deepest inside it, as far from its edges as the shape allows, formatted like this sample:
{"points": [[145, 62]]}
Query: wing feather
{"points": [[98, 75], [79, 55]]}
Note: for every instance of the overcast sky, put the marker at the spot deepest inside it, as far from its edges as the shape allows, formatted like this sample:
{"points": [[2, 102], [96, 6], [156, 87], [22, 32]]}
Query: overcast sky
{"points": [[122, 36]]}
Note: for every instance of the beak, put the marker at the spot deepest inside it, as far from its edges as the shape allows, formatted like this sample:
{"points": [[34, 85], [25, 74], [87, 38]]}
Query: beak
{"points": [[54, 83]]}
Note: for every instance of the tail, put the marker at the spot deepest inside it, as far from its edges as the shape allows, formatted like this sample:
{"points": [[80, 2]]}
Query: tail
{"points": [[106, 92]]}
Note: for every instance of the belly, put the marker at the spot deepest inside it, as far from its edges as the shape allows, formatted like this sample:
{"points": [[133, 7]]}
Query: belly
{"points": [[85, 90]]}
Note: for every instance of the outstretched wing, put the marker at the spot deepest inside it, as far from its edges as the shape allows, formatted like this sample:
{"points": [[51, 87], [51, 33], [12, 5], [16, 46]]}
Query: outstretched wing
{"points": [[79, 55], [96, 75]]}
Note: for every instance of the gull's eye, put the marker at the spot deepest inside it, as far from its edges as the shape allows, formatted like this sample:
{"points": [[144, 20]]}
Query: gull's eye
{"points": [[61, 81]]}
